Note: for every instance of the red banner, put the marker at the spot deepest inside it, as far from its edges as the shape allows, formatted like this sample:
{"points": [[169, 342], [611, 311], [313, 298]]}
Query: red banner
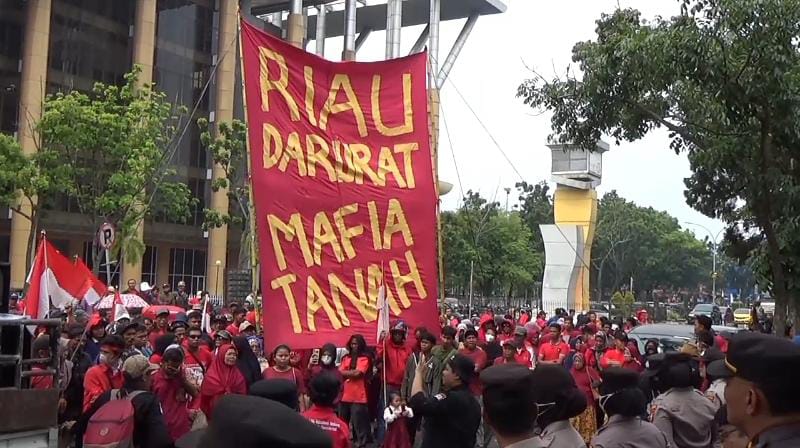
{"points": [[344, 191]]}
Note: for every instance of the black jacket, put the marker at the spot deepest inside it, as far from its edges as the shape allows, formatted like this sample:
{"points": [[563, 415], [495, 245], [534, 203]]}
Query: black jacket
{"points": [[149, 430], [451, 419]]}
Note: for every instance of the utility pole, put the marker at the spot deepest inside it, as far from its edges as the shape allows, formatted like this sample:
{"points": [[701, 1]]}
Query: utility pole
{"points": [[471, 272], [714, 247], [508, 193]]}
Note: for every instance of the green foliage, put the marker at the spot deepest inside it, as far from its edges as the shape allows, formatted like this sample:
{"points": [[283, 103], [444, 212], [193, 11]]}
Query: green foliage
{"points": [[623, 301], [647, 244], [109, 150], [499, 244], [228, 149], [721, 78], [20, 181]]}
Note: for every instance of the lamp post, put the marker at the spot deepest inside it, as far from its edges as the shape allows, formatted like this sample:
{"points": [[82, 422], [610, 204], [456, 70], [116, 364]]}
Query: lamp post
{"points": [[218, 264], [713, 257]]}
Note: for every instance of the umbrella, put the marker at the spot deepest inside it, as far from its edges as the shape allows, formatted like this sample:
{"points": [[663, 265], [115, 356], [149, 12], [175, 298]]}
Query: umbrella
{"points": [[152, 312], [128, 301]]}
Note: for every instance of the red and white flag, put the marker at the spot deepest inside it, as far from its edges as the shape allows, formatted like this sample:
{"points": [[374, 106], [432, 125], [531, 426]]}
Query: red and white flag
{"points": [[118, 311], [55, 280]]}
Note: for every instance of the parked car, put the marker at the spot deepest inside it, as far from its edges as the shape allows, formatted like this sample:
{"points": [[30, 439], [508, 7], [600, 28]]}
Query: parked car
{"points": [[699, 309], [599, 309], [742, 316], [670, 336]]}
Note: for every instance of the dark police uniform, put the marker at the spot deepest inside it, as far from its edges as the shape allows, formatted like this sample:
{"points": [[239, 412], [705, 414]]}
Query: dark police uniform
{"points": [[451, 418], [764, 359]]}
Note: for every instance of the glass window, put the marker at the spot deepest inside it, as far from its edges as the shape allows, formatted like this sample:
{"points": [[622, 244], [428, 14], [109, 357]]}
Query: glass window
{"points": [[12, 18], [188, 265], [150, 265], [89, 42]]}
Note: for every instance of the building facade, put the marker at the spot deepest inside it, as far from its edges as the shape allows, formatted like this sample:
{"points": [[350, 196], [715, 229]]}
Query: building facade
{"points": [[188, 49], [48, 46]]}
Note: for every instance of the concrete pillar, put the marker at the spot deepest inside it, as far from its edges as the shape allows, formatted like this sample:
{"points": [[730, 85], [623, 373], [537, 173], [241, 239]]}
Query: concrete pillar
{"points": [[225, 82], [350, 11], [33, 84], [144, 45], [573, 206], [162, 267], [296, 27]]}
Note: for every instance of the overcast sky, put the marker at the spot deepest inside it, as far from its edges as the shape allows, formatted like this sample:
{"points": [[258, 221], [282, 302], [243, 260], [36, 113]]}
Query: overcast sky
{"points": [[540, 35]]}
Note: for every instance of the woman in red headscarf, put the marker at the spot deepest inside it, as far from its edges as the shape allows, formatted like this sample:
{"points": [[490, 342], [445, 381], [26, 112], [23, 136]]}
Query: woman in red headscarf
{"points": [[585, 376], [223, 377]]}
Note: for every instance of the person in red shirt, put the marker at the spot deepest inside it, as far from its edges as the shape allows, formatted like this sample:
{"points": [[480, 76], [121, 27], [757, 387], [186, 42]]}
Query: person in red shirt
{"points": [[174, 390], [197, 358], [161, 326], [619, 355], [325, 362], [107, 374], [509, 354], [222, 378], [391, 359], [525, 353], [477, 355], [324, 390], [282, 369], [506, 331], [238, 319], [480, 359], [484, 324], [555, 350], [354, 368], [541, 319], [41, 349]]}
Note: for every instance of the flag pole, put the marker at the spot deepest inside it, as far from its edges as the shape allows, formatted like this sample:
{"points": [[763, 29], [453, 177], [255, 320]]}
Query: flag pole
{"points": [[384, 308], [46, 277], [255, 274]]}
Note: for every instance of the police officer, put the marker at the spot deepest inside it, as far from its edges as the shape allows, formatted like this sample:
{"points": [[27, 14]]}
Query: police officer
{"points": [[762, 394], [451, 418], [624, 403], [682, 412], [509, 405], [558, 400]]}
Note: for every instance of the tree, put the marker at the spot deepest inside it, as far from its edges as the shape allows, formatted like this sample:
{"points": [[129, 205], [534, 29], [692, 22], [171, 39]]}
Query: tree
{"points": [[535, 208], [229, 151], [721, 78], [623, 301], [22, 181], [649, 245], [109, 151], [497, 247]]}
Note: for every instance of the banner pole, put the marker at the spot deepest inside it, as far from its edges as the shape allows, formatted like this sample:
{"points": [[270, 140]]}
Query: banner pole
{"points": [[255, 275]]}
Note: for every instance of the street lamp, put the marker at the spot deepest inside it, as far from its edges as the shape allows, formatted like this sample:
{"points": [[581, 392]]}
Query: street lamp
{"points": [[218, 264], [713, 258]]}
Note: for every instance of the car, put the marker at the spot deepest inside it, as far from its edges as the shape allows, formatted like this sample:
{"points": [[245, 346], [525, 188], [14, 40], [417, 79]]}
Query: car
{"points": [[741, 316], [599, 309], [671, 337], [699, 309]]}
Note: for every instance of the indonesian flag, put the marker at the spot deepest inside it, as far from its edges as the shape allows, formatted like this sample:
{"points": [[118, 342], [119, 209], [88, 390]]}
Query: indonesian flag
{"points": [[55, 280], [119, 311]]}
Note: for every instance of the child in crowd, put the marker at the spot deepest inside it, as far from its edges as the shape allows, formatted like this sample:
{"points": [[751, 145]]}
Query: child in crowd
{"points": [[396, 416]]}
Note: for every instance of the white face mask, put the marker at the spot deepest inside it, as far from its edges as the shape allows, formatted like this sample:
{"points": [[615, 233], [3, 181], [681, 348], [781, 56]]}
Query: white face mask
{"points": [[489, 337], [326, 359]]}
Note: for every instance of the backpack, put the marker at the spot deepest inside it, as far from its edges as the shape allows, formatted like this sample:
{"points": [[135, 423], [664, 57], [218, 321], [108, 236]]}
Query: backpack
{"points": [[112, 425]]}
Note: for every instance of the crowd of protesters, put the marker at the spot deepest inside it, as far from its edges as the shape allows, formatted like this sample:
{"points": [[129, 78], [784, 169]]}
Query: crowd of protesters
{"points": [[565, 380]]}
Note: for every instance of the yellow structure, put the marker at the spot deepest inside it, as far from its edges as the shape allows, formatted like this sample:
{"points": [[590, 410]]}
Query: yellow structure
{"points": [[217, 259], [578, 207], [34, 81], [144, 41]]}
